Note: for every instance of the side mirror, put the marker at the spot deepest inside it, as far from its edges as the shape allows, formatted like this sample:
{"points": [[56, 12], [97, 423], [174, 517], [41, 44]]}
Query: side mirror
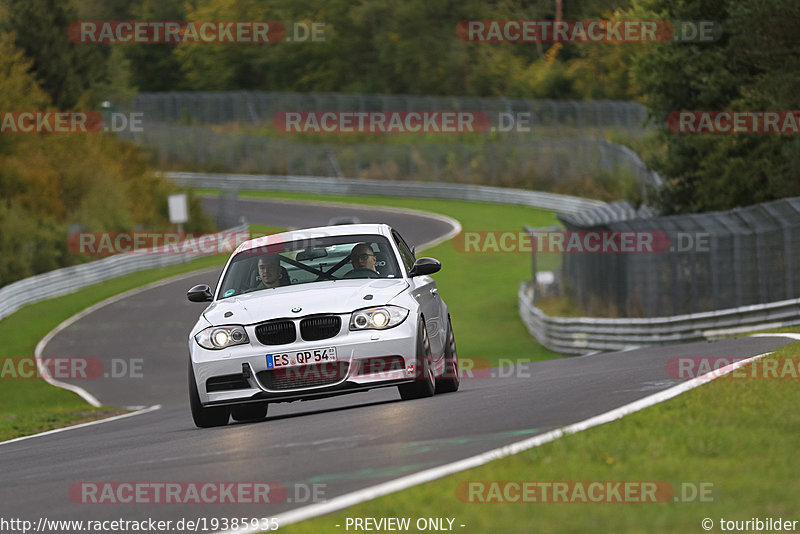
{"points": [[425, 266], [200, 293]]}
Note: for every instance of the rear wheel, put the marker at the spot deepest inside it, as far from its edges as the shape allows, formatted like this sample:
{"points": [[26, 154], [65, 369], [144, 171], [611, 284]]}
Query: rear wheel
{"points": [[205, 417], [254, 411], [424, 384], [450, 380]]}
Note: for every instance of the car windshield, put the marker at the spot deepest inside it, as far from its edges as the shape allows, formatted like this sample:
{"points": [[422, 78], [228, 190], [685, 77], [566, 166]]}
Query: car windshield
{"points": [[309, 260]]}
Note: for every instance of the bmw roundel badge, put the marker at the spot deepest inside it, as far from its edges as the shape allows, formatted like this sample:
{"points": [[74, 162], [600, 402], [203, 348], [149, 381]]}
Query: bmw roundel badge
{"points": [[297, 309]]}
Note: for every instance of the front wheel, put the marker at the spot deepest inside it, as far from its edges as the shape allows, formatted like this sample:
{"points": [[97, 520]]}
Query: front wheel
{"points": [[205, 417], [450, 380], [424, 384]]}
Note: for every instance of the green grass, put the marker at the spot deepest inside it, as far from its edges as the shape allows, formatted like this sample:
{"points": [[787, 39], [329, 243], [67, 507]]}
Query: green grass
{"points": [[28, 406], [257, 230], [780, 330], [480, 289], [739, 436], [560, 306]]}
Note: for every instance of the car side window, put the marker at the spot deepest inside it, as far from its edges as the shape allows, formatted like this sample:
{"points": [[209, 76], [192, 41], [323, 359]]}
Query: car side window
{"points": [[405, 251]]}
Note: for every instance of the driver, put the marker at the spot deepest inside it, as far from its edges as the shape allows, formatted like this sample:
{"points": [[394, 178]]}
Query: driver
{"points": [[363, 258], [269, 272]]}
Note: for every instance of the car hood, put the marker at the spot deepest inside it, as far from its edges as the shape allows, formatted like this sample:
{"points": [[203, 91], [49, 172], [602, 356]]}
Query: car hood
{"points": [[341, 296]]}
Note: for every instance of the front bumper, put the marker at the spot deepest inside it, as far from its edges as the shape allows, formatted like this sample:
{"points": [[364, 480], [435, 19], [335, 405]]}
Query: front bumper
{"points": [[244, 366]]}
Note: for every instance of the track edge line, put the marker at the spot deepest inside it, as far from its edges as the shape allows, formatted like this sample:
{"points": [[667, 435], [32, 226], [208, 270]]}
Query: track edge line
{"points": [[82, 425], [428, 475]]}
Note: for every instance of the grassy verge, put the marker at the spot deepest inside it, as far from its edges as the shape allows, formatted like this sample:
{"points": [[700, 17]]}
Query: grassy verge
{"points": [[560, 306], [28, 406], [735, 437], [480, 289], [780, 330]]}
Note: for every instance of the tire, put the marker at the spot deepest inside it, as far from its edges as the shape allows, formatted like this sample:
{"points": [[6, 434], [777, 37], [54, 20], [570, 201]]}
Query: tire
{"points": [[205, 417], [424, 384], [253, 411], [450, 379]]}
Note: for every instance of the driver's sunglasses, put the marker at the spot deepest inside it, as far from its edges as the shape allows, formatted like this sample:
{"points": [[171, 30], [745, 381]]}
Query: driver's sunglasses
{"points": [[364, 256]]}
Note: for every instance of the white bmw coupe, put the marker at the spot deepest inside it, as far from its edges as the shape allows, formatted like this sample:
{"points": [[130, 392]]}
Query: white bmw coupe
{"points": [[315, 313]]}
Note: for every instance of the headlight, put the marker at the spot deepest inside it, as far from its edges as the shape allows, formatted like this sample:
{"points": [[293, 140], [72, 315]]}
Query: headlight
{"points": [[219, 337], [379, 318]]}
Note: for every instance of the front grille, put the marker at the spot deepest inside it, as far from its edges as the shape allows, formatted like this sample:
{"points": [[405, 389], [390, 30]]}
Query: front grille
{"points": [[304, 376], [322, 327], [383, 364], [226, 383], [276, 333]]}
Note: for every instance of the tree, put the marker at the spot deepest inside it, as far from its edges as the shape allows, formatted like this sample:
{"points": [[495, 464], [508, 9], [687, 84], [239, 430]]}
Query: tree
{"points": [[155, 67], [65, 70], [753, 66]]}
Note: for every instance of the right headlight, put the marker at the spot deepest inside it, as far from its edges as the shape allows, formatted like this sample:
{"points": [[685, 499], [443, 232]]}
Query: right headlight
{"points": [[377, 318]]}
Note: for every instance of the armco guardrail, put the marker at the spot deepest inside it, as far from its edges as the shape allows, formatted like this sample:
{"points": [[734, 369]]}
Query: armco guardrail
{"points": [[70, 279], [581, 335], [345, 186]]}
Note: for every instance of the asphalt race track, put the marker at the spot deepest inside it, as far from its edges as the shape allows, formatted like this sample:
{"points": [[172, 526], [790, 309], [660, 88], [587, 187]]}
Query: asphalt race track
{"points": [[345, 443]]}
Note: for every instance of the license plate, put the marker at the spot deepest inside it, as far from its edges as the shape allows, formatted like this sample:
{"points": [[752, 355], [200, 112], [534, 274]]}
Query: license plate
{"points": [[301, 357]]}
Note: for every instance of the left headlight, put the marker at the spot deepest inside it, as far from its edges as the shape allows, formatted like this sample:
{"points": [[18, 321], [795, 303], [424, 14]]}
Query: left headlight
{"points": [[378, 318], [219, 337]]}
